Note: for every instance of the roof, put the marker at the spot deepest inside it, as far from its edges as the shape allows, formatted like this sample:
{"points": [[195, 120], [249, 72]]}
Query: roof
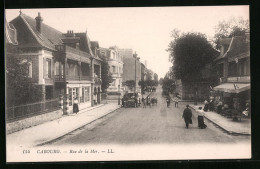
{"points": [[94, 44], [48, 37], [225, 41], [232, 87], [84, 43], [238, 45], [10, 34]]}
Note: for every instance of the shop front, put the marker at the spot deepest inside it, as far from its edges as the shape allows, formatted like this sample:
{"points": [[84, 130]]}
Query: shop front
{"points": [[233, 97], [81, 93]]}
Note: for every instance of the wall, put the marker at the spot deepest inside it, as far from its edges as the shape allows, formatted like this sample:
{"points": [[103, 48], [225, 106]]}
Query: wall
{"points": [[32, 121]]}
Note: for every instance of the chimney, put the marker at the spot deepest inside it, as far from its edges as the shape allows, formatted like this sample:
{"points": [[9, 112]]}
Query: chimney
{"points": [[39, 22]]}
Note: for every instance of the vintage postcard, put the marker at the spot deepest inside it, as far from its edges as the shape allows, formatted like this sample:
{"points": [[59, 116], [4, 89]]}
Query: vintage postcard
{"points": [[127, 83]]}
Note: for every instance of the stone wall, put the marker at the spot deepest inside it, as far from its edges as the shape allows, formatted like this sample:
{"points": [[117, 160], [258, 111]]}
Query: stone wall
{"points": [[32, 121]]}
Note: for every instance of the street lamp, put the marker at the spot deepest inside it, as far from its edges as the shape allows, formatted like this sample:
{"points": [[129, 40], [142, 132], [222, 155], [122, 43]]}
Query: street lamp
{"points": [[119, 94]]}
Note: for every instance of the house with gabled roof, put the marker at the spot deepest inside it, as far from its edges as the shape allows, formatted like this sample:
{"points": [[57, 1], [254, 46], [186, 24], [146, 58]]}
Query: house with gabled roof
{"points": [[63, 64], [233, 65]]}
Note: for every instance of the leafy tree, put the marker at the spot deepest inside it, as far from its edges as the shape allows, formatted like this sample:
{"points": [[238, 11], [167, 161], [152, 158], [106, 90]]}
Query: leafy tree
{"points": [[148, 74], [19, 89], [155, 77], [189, 54], [228, 28], [161, 81], [129, 83], [105, 75], [168, 86]]}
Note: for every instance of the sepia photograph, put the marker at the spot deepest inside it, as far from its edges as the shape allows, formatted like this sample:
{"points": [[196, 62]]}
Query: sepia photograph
{"points": [[127, 83]]}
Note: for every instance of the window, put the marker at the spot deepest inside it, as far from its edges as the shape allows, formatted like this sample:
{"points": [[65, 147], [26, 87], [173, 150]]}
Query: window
{"points": [[48, 68], [232, 69], [49, 92], [221, 70], [29, 69], [113, 83], [114, 69], [85, 95]]}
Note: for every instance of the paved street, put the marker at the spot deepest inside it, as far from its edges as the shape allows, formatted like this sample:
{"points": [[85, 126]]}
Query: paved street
{"points": [[158, 124]]}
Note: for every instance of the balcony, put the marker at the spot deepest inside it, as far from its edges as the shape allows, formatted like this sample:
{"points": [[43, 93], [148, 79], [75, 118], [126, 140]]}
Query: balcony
{"points": [[61, 78], [73, 53], [97, 81]]}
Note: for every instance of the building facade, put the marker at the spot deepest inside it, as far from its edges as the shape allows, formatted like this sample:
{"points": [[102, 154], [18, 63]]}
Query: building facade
{"points": [[131, 68], [62, 64], [115, 62], [233, 65]]}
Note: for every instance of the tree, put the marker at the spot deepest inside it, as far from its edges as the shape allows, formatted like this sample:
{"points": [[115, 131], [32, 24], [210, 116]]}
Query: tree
{"points": [[19, 89], [149, 74], [231, 27], [161, 81], [129, 83], [168, 85], [155, 77], [190, 52], [105, 76]]}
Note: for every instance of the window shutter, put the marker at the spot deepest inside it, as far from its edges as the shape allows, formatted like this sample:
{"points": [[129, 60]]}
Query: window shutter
{"points": [[44, 68], [52, 68]]}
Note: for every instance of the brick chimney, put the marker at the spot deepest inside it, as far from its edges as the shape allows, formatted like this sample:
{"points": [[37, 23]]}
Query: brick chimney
{"points": [[39, 22]]}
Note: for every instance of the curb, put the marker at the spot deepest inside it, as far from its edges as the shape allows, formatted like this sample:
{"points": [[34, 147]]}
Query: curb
{"points": [[229, 132], [72, 130]]}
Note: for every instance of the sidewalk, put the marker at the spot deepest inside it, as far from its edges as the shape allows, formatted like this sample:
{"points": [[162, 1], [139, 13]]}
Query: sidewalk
{"points": [[51, 130], [230, 126]]}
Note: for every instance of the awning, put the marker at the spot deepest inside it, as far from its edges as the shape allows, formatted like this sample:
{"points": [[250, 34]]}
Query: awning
{"points": [[232, 87]]}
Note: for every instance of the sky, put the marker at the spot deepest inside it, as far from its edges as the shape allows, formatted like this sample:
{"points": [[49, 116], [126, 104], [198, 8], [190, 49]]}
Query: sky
{"points": [[147, 30]]}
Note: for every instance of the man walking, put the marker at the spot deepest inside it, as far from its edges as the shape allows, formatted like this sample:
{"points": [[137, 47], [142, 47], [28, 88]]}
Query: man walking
{"points": [[187, 114]]}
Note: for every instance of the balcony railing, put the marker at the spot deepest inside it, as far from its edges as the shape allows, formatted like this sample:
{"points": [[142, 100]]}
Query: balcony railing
{"points": [[30, 110], [86, 78], [59, 78], [73, 77], [97, 81], [65, 48]]}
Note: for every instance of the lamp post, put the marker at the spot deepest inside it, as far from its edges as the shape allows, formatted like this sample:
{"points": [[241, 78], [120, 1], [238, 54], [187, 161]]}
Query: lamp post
{"points": [[119, 94]]}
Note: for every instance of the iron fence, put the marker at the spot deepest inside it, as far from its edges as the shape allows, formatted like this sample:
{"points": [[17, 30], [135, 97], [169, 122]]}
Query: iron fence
{"points": [[29, 110]]}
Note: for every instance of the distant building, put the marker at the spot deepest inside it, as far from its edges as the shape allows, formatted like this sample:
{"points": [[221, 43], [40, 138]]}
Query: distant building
{"points": [[115, 62], [131, 68]]}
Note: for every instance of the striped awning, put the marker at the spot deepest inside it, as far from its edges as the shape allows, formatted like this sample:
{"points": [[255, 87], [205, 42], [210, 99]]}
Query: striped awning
{"points": [[232, 87]]}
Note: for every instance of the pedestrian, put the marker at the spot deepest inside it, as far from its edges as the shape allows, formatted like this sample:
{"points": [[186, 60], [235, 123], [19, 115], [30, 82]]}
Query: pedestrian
{"points": [[219, 107], [168, 101], [143, 102], [187, 114], [201, 123], [139, 101], [211, 105], [206, 106], [176, 102], [148, 101], [75, 106]]}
